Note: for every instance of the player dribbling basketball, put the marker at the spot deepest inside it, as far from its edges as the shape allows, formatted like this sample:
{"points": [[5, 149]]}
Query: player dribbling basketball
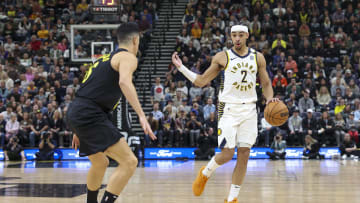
{"points": [[237, 105]]}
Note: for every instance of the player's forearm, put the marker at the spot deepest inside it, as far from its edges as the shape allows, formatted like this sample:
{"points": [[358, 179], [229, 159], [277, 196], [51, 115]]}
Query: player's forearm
{"points": [[193, 77], [268, 91], [129, 91]]}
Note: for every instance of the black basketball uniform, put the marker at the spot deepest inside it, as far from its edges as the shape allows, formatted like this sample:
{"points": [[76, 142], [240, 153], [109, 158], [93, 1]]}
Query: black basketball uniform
{"points": [[89, 115]]}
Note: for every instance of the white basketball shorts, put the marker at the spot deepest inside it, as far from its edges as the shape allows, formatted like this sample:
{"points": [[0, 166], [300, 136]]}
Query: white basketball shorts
{"points": [[237, 125]]}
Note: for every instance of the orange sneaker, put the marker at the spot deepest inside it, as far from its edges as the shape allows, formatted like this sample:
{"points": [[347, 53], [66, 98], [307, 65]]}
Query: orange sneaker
{"points": [[199, 183], [234, 201]]}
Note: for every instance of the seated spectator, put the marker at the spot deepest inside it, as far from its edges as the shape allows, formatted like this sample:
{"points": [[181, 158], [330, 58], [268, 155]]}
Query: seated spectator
{"points": [[182, 87], [195, 91], [339, 128], [306, 102], [179, 98], [291, 65], [4, 92], [348, 148], [267, 132], [154, 124], [292, 84], [170, 93], [38, 128], [335, 87], [156, 112], [279, 147], [157, 92], [12, 127], [209, 108], [304, 30], [312, 148], [279, 89], [355, 88], [2, 130], [310, 124], [357, 113], [171, 109], [55, 125], [194, 126], [208, 91], [46, 148], [323, 98], [7, 114], [196, 31], [181, 133], [296, 130], [340, 106], [352, 127], [206, 142], [279, 77], [326, 129], [25, 128], [14, 151], [168, 128]]}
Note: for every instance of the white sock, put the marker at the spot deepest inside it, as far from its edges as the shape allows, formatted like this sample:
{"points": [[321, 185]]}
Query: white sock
{"points": [[210, 167], [234, 192]]}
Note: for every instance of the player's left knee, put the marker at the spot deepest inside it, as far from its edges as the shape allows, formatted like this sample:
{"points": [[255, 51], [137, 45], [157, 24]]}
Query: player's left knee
{"points": [[131, 162]]}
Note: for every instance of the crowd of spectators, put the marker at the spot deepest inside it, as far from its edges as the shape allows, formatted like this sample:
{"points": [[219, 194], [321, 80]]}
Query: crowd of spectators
{"points": [[37, 79], [312, 50]]}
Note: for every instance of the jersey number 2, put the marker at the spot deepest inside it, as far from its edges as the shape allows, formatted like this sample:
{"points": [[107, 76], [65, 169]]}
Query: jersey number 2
{"points": [[244, 73]]}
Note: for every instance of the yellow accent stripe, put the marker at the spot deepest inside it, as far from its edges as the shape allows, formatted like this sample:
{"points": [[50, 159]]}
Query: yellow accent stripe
{"points": [[257, 67], [228, 60], [220, 109], [117, 103]]}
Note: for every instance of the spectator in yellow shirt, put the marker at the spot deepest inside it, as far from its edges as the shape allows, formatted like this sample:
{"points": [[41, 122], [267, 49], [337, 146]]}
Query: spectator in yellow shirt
{"points": [[196, 31], [43, 33], [340, 107], [83, 6], [278, 39]]}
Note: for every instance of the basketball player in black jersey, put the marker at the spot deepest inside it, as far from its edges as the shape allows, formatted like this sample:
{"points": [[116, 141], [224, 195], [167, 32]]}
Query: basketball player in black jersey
{"points": [[89, 115]]}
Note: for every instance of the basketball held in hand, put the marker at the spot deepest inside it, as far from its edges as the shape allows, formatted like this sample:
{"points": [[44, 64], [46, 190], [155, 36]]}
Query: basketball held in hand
{"points": [[276, 113]]}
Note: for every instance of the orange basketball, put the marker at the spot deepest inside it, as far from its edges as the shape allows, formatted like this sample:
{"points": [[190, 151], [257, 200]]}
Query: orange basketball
{"points": [[276, 113]]}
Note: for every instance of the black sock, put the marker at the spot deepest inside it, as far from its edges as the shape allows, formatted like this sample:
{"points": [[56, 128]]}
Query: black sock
{"points": [[108, 197], [92, 196]]}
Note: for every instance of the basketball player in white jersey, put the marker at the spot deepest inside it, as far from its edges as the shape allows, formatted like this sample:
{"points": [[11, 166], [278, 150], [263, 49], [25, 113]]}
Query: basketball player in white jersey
{"points": [[237, 125]]}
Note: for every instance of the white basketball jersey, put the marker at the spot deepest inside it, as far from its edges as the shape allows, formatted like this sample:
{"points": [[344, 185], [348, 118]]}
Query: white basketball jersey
{"points": [[238, 84]]}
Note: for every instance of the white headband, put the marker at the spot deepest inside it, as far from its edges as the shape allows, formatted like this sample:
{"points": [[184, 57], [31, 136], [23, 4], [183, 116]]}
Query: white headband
{"points": [[239, 28]]}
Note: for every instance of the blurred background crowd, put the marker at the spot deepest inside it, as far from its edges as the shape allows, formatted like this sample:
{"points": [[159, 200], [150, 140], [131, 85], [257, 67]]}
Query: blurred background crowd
{"points": [[37, 78], [312, 49]]}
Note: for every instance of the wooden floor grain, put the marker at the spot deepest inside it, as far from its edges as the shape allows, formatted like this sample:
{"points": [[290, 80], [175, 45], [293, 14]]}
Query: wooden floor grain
{"points": [[295, 181]]}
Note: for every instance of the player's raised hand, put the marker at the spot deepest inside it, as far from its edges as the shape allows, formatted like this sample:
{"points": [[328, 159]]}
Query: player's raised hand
{"points": [[146, 127], [176, 60], [75, 142]]}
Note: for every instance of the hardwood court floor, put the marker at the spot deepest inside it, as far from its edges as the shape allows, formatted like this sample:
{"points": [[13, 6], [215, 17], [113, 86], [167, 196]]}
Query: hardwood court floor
{"points": [[295, 181]]}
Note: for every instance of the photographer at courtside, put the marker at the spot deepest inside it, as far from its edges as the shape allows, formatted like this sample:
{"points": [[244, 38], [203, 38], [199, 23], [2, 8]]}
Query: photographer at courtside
{"points": [[13, 151], [46, 148], [279, 146]]}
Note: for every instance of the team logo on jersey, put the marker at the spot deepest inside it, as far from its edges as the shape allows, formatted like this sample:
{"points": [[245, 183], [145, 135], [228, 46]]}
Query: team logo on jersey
{"points": [[219, 131], [244, 69]]}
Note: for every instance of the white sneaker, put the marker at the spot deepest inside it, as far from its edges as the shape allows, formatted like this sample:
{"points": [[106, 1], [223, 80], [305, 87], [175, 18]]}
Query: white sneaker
{"points": [[344, 156], [352, 156]]}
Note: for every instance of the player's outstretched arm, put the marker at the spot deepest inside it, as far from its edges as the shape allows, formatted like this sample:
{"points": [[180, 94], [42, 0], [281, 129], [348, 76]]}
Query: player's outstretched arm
{"points": [[201, 80], [127, 64], [264, 78]]}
